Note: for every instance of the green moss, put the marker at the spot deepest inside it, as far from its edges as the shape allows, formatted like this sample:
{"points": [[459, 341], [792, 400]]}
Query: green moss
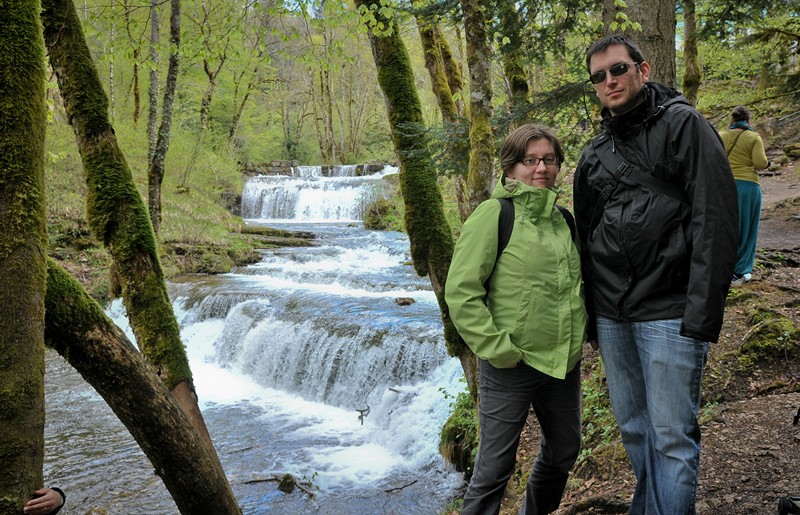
{"points": [[383, 215], [458, 440], [739, 296], [288, 484], [772, 336]]}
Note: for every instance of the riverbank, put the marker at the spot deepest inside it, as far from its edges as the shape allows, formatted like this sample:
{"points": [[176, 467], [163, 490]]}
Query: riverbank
{"points": [[72, 245]]}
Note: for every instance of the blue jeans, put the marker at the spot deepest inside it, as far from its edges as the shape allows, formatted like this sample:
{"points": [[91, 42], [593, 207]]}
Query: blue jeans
{"points": [[506, 396], [654, 377]]}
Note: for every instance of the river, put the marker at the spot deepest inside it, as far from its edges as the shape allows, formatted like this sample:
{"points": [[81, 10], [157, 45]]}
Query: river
{"points": [[287, 354]]}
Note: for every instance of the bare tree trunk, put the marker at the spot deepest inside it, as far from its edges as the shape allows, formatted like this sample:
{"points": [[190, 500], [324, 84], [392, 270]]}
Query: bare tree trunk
{"points": [[116, 213], [657, 38], [155, 172], [237, 116], [428, 232], [152, 118], [480, 179], [208, 95], [23, 244], [136, 54], [691, 72], [78, 329], [111, 89]]}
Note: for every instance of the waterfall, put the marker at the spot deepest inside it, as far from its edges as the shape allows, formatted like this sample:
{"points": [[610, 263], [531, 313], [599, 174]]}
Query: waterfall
{"points": [[310, 197], [303, 363], [332, 358]]}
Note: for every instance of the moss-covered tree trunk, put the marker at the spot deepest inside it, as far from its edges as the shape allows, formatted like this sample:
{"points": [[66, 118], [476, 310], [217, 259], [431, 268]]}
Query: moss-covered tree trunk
{"points": [[117, 215], [432, 43], [429, 33], [455, 78], [427, 228], [480, 178], [511, 52], [691, 71], [155, 171], [22, 253], [78, 329]]}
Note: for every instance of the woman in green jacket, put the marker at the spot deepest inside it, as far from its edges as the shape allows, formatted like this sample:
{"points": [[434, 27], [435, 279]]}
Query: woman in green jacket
{"points": [[522, 313]]}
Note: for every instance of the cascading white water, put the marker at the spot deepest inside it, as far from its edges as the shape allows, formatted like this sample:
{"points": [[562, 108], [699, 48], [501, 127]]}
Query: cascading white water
{"points": [[284, 353], [309, 197]]}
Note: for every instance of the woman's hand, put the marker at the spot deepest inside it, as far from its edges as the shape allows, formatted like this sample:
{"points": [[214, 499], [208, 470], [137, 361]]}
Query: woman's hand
{"points": [[47, 500]]}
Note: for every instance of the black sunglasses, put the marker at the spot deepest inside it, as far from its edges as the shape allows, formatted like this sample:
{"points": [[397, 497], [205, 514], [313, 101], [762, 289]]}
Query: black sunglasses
{"points": [[616, 71]]}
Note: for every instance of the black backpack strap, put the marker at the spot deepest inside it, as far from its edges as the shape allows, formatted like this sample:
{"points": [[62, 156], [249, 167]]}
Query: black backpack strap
{"points": [[505, 224], [570, 220], [623, 171]]}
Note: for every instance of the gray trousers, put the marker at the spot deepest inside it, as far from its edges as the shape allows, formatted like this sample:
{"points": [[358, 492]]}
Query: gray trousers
{"points": [[506, 396]]}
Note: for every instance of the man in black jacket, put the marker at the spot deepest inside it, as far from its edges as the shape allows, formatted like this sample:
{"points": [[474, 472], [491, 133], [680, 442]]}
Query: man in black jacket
{"points": [[655, 206]]}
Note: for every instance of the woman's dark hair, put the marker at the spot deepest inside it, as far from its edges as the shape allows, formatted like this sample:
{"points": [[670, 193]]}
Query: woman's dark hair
{"points": [[634, 52], [513, 149], [740, 114]]}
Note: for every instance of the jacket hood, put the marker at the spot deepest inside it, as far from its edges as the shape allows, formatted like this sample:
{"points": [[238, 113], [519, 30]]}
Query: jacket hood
{"points": [[657, 98], [537, 202]]}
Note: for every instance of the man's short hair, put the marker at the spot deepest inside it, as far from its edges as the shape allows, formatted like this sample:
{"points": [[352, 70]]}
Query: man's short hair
{"points": [[516, 143], [740, 114], [634, 52]]}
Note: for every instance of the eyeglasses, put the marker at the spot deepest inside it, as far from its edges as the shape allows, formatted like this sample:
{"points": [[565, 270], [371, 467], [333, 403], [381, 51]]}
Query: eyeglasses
{"points": [[533, 162], [615, 71]]}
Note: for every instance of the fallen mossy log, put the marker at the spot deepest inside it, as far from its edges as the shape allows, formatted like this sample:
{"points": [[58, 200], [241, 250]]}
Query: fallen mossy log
{"points": [[277, 233]]}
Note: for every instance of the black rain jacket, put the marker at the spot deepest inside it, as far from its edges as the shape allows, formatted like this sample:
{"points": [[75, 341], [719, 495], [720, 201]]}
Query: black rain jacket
{"points": [[646, 255]]}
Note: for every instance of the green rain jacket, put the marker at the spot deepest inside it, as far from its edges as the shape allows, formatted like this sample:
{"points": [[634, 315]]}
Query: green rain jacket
{"points": [[534, 310]]}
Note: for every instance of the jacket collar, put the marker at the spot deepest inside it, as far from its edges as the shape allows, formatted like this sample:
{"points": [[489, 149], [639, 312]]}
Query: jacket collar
{"points": [[536, 202], [657, 98]]}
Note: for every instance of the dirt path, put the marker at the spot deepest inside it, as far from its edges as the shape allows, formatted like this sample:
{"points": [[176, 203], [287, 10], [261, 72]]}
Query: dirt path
{"points": [[776, 230]]}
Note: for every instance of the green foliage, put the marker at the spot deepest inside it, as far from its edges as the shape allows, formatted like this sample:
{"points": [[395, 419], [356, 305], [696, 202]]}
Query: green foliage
{"points": [[600, 434], [458, 440], [707, 412]]}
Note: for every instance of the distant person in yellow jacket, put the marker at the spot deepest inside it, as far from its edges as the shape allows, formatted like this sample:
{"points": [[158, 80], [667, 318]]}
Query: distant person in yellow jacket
{"points": [[746, 154]]}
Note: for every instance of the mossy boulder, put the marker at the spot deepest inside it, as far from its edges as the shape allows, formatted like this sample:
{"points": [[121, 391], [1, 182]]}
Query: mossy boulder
{"points": [[772, 336], [288, 484], [382, 215], [792, 151]]}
